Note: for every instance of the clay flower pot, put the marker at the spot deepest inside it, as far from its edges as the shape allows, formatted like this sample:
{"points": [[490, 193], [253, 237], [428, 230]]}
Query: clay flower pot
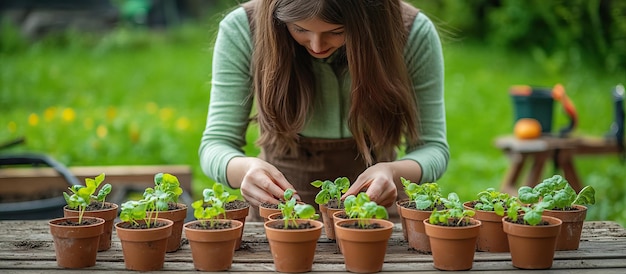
{"points": [[491, 237], [413, 226], [293, 250], [363, 249], [239, 214], [532, 247], [275, 216], [265, 211], [109, 214], [571, 228], [402, 220], [144, 249], [178, 217], [338, 216], [213, 249], [76, 246], [453, 247], [327, 218]]}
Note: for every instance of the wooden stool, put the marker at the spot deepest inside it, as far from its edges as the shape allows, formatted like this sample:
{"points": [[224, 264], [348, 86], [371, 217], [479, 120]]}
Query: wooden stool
{"points": [[538, 151]]}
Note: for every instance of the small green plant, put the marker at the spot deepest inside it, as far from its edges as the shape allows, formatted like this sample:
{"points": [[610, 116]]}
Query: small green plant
{"points": [[212, 205], [134, 211], [532, 212], [331, 190], [360, 207], [555, 193], [427, 196], [291, 210], [166, 190], [82, 196], [454, 213], [492, 200]]}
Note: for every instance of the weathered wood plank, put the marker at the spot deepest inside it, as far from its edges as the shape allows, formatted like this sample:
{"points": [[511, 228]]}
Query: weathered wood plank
{"points": [[603, 247], [569, 266]]}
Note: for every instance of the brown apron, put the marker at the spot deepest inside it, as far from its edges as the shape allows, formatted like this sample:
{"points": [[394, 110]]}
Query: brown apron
{"points": [[316, 159]]}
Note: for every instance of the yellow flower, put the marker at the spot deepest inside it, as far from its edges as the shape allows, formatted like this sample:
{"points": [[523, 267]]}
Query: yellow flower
{"points": [[182, 123], [166, 114], [68, 115], [111, 113], [101, 131], [33, 119], [49, 114]]}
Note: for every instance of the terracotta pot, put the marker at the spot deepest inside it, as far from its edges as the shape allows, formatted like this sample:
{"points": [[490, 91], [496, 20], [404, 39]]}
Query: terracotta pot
{"points": [[108, 215], [491, 237], [363, 249], [532, 247], [239, 215], [402, 220], [144, 249], [210, 247], [338, 216], [265, 212], [571, 228], [275, 216], [178, 217], [293, 250], [413, 224], [327, 218], [453, 248], [76, 246]]}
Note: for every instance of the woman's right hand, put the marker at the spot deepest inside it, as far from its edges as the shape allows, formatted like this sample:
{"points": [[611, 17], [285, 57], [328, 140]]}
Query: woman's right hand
{"points": [[259, 181]]}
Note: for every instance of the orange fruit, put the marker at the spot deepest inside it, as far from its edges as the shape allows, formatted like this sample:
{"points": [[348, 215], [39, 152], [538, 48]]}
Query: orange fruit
{"points": [[527, 128]]}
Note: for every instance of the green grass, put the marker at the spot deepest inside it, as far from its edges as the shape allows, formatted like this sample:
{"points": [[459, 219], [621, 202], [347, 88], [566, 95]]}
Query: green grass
{"points": [[134, 97]]}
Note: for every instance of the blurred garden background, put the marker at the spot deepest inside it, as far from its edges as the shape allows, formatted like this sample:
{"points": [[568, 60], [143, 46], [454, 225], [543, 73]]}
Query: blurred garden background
{"points": [[131, 85]]}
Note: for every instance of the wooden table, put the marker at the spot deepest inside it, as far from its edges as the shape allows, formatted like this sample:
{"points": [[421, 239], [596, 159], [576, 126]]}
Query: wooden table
{"points": [[27, 247], [541, 151]]}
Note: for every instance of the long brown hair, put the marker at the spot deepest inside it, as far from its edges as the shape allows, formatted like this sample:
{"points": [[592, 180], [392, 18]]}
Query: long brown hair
{"points": [[383, 109]]}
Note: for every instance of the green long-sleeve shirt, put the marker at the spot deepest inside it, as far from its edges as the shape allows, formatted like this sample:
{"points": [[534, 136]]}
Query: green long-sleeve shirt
{"points": [[231, 98]]}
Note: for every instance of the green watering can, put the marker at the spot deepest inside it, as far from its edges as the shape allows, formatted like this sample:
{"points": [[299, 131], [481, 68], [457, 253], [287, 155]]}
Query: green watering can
{"points": [[538, 103]]}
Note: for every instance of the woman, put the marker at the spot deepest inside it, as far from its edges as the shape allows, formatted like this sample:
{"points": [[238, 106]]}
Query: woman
{"points": [[337, 87]]}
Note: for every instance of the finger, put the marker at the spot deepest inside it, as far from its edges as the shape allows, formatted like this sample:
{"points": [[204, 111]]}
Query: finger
{"points": [[386, 196], [275, 190], [258, 196], [255, 190], [355, 188], [279, 180], [297, 196]]}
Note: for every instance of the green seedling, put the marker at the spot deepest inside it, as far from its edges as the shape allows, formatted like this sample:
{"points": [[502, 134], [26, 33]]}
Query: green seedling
{"points": [[453, 214], [212, 205], [82, 196], [557, 194], [166, 190], [553, 193], [331, 190], [492, 200], [291, 210], [427, 196], [360, 207]]}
